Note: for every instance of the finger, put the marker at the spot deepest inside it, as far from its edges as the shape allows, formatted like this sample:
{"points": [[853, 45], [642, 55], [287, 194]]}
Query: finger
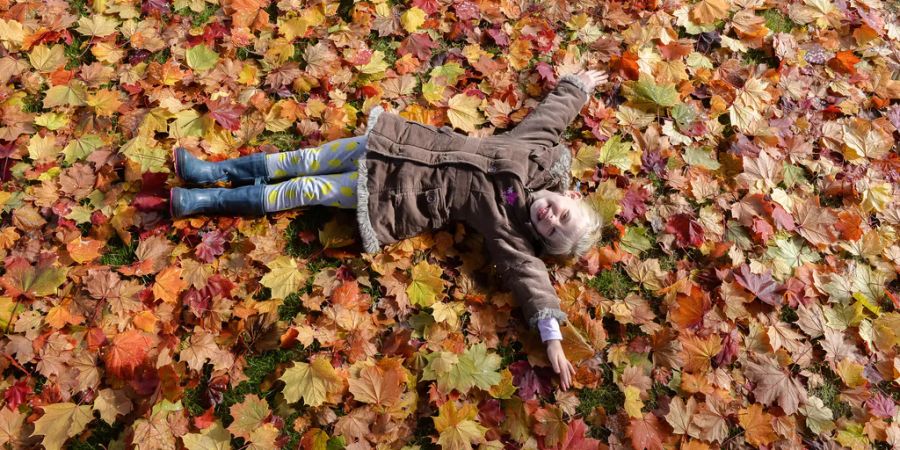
{"points": [[554, 363], [565, 380]]}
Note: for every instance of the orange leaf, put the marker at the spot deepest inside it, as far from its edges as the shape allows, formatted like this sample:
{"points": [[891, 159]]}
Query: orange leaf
{"points": [[60, 315], [690, 309], [126, 352], [169, 284], [844, 62], [84, 250], [145, 320], [700, 351], [626, 65], [646, 433], [757, 425], [380, 384]]}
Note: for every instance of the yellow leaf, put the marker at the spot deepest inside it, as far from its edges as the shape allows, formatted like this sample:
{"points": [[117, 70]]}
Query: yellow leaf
{"points": [[851, 373], [863, 139], [47, 59], [457, 427], [376, 65], [463, 112], [633, 403], [412, 19], [877, 197], [709, 11], [105, 102], [97, 25], [52, 121], [337, 233], [42, 148], [311, 382], [12, 31], [72, 94], [285, 276], [60, 422], [426, 284]]}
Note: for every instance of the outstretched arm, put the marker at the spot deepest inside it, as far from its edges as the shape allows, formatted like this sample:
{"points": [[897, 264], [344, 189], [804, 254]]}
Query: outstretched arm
{"points": [[526, 276], [552, 116]]}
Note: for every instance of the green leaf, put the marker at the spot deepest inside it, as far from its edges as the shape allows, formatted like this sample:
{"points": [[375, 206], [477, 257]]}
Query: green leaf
{"points": [[52, 121], [187, 123], [474, 368], [636, 241], [149, 157], [645, 91], [617, 153], [201, 58], [72, 94], [426, 284], [702, 158], [452, 71], [684, 114], [78, 149]]}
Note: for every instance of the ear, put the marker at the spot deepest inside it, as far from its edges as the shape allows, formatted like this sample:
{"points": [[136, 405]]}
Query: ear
{"points": [[573, 194]]}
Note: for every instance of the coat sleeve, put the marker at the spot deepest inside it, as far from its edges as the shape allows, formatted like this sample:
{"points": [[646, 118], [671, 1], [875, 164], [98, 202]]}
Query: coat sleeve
{"points": [[552, 116], [526, 276]]}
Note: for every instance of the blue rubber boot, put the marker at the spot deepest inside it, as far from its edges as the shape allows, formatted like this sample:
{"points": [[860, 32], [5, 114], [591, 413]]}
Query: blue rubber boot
{"points": [[240, 201], [250, 169]]}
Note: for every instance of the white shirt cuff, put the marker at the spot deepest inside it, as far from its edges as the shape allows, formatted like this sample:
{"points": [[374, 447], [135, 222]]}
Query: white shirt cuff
{"points": [[549, 329]]}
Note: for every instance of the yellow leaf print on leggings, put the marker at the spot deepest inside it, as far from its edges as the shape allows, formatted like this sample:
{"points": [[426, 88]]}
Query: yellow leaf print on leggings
{"points": [[352, 145], [334, 162], [347, 191], [273, 197]]}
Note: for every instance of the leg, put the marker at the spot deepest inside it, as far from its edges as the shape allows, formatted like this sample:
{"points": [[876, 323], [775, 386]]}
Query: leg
{"points": [[336, 189], [337, 156]]}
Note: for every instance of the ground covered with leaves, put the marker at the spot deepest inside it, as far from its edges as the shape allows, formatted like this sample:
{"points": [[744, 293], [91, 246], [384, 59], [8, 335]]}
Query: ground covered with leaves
{"points": [[743, 155]]}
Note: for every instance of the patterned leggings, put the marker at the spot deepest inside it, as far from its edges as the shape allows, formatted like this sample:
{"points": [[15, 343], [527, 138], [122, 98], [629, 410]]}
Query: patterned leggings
{"points": [[323, 175]]}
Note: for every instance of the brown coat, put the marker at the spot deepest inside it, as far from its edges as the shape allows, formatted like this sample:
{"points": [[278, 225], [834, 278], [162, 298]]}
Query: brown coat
{"points": [[416, 177]]}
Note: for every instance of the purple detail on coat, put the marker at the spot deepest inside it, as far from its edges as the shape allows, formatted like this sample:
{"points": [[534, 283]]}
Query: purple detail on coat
{"points": [[510, 196], [549, 329]]}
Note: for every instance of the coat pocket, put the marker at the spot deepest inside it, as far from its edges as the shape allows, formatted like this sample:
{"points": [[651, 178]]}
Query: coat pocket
{"points": [[418, 211]]}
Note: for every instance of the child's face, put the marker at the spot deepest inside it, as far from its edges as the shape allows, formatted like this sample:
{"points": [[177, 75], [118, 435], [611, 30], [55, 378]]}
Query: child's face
{"points": [[555, 216]]}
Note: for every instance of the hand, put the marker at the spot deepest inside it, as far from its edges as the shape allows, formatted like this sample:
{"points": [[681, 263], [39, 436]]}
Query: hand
{"points": [[592, 78], [560, 364]]}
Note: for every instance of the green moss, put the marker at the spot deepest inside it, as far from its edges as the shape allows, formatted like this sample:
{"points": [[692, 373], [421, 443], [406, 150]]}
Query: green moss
{"points": [[612, 283], [608, 396], [119, 254], [830, 391], [80, 7], [387, 46], [778, 22], [510, 353], [243, 53], [161, 56], [101, 434], [313, 219], [290, 307], [199, 18], [657, 391], [788, 314], [77, 52], [756, 56], [423, 432], [33, 103], [283, 140]]}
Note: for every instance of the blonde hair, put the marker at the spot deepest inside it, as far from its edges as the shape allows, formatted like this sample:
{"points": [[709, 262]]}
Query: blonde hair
{"points": [[582, 241]]}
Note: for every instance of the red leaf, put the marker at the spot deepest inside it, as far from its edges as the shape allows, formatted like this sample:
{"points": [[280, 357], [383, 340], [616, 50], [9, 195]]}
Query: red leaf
{"points": [[226, 113], [16, 394], [546, 72], [783, 219], [144, 202], [762, 286], [633, 205], [529, 382], [419, 44], [646, 433], [126, 352], [686, 230], [211, 247]]}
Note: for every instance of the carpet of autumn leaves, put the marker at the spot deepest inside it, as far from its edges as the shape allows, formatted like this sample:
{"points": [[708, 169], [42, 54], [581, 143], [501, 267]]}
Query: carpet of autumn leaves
{"points": [[743, 155]]}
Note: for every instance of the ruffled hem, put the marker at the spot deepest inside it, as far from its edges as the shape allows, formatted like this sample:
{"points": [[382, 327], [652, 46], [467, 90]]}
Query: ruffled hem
{"points": [[366, 230], [572, 78], [547, 313]]}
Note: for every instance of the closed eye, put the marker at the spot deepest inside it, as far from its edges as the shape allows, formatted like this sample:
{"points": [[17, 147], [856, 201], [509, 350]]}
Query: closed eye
{"points": [[566, 217]]}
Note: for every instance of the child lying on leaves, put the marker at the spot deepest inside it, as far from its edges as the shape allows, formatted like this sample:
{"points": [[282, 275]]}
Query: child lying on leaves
{"points": [[403, 178]]}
